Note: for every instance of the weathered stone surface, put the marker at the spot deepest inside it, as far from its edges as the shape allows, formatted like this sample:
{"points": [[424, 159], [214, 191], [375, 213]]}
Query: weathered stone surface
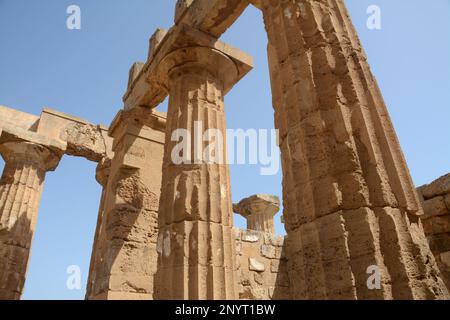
{"points": [[445, 258], [255, 265], [84, 140], [347, 191], [21, 186], [268, 251], [255, 282], [259, 211], [250, 236], [438, 187], [435, 207]]}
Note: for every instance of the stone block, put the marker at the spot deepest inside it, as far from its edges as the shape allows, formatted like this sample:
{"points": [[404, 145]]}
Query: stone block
{"points": [[435, 207], [256, 265], [268, 251], [275, 266], [250, 236], [445, 258], [447, 201], [274, 240], [440, 186]]}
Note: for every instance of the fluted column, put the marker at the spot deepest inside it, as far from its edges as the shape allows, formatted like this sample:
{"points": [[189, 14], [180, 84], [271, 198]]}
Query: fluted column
{"points": [[20, 191], [196, 253], [349, 202]]}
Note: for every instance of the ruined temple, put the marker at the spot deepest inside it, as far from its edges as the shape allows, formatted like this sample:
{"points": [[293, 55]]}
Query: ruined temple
{"points": [[165, 230]]}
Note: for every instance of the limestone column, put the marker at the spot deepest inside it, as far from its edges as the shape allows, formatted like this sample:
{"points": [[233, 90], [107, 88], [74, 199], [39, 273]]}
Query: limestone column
{"points": [[20, 191], [195, 242], [349, 202], [259, 211]]}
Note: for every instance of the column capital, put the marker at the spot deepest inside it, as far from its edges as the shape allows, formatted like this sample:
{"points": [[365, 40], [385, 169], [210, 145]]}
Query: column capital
{"points": [[187, 50], [30, 153], [259, 211]]}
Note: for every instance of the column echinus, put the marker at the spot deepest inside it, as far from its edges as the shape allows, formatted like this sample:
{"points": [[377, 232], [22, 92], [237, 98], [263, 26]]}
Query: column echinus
{"points": [[349, 203], [195, 242], [28, 156]]}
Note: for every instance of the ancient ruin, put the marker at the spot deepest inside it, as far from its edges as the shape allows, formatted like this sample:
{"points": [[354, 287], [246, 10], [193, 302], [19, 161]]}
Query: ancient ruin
{"points": [[165, 230]]}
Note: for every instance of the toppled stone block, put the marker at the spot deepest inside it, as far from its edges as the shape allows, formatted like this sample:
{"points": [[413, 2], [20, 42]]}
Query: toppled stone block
{"points": [[84, 140], [135, 70], [255, 265], [259, 279], [447, 201]]}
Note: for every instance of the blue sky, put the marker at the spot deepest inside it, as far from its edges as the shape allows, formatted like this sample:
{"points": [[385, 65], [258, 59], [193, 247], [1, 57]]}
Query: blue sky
{"points": [[84, 73]]}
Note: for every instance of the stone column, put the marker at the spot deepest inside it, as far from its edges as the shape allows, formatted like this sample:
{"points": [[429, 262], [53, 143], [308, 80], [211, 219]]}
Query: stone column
{"points": [[349, 202], [20, 191], [124, 260], [195, 242], [259, 211], [102, 176]]}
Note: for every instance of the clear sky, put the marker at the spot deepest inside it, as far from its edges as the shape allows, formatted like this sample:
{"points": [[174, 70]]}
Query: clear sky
{"points": [[84, 73]]}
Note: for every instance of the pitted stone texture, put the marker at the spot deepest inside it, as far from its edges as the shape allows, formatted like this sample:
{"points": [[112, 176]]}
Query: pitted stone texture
{"points": [[436, 221], [261, 266], [84, 140], [438, 187], [347, 191], [124, 257]]}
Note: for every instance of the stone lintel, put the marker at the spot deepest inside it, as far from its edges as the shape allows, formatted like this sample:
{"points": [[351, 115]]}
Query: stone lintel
{"points": [[75, 136], [211, 16], [139, 127]]}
